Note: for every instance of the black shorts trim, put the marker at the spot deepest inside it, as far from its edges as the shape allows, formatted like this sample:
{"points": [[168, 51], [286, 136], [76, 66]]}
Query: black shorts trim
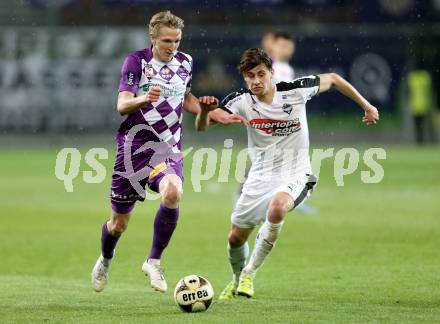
{"points": [[308, 187]]}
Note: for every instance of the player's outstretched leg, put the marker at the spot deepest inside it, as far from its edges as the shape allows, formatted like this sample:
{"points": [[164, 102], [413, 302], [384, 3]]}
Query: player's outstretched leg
{"points": [[111, 232], [237, 260], [164, 225], [264, 242], [238, 251]]}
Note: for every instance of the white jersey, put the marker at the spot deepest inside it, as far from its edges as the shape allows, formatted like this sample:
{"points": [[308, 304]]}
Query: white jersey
{"points": [[283, 72], [278, 135]]}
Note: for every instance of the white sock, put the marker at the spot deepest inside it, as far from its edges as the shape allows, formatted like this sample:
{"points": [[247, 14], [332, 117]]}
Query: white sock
{"points": [[106, 262], [264, 242], [237, 259], [154, 261]]}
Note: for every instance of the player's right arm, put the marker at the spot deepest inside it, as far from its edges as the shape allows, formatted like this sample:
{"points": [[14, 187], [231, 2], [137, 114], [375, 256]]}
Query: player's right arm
{"points": [[129, 103], [228, 111], [131, 74], [219, 115], [210, 106]]}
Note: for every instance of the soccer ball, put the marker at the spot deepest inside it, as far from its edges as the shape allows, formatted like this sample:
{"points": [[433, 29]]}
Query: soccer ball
{"points": [[193, 294]]}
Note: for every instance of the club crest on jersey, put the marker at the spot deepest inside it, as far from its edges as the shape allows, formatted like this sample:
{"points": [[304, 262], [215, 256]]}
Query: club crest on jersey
{"points": [[287, 108], [148, 70], [276, 127]]}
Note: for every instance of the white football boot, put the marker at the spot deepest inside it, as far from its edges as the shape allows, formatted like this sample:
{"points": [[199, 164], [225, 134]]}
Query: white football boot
{"points": [[100, 273], [152, 269]]}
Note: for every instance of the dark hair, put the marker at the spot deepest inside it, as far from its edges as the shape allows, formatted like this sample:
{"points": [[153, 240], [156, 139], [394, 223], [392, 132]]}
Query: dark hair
{"points": [[283, 35], [253, 57]]}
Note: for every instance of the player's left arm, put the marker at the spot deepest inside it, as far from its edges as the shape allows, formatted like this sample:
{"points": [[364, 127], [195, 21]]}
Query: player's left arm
{"points": [[191, 104], [200, 109], [334, 80]]}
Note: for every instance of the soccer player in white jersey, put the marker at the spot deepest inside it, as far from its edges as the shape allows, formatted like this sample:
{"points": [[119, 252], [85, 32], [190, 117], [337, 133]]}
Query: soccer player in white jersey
{"points": [[281, 176], [154, 90]]}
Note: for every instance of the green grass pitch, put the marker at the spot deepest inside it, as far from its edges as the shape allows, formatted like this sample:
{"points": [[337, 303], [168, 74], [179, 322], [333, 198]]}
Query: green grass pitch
{"points": [[372, 254]]}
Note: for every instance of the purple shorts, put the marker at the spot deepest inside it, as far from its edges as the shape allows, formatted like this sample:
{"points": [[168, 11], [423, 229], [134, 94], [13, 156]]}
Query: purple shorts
{"points": [[150, 169]]}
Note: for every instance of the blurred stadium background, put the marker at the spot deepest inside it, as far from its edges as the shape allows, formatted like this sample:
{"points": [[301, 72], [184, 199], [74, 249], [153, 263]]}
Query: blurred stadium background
{"points": [[60, 59], [371, 253]]}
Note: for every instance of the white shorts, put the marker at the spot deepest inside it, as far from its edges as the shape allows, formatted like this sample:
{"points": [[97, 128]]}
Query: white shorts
{"points": [[251, 207]]}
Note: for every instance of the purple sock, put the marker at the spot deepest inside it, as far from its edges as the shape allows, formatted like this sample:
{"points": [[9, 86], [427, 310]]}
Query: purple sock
{"points": [[108, 242], [164, 225]]}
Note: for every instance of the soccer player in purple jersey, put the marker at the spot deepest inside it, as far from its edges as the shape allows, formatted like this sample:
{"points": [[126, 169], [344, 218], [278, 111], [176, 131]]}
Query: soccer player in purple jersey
{"points": [[154, 88]]}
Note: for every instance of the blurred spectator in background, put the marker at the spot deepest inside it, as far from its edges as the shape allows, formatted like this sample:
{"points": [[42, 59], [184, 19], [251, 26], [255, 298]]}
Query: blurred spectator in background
{"points": [[267, 43], [283, 49], [420, 101]]}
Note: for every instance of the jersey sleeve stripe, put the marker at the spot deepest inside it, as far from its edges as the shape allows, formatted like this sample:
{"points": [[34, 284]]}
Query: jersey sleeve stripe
{"points": [[304, 82], [231, 96], [225, 109]]}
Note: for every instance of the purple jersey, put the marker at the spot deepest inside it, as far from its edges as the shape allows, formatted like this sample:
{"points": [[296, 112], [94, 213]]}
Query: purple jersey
{"points": [[148, 140], [141, 71]]}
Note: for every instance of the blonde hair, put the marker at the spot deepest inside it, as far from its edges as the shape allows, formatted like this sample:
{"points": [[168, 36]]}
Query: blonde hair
{"points": [[164, 18]]}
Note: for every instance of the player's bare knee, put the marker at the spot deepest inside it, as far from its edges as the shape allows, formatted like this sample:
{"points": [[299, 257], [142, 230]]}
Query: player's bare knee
{"points": [[119, 227], [118, 224], [276, 212], [235, 240], [171, 190], [172, 194]]}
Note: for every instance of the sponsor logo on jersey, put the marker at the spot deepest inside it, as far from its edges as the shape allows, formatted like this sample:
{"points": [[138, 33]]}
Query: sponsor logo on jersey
{"points": [[130, 78], [177, 90], [276, 127]]}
